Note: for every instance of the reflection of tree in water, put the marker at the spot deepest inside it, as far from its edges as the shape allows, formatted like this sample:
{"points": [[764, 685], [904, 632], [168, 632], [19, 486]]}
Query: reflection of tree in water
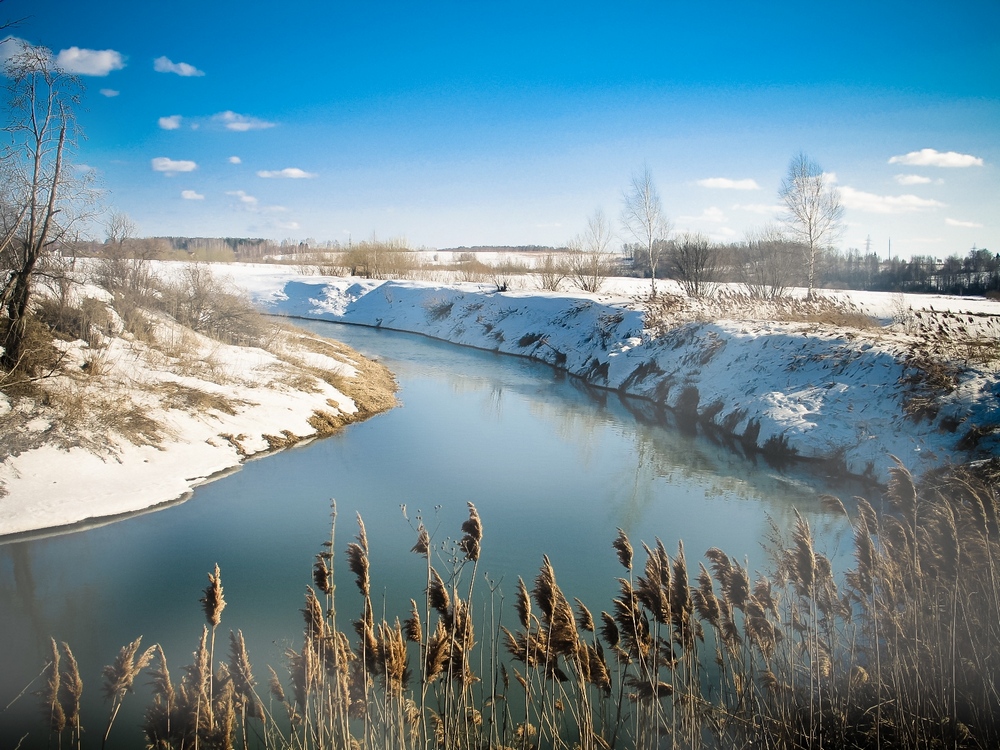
{"points": [[663, 452]]}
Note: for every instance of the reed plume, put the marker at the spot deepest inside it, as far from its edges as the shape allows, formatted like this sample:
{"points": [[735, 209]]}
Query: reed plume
{"points": [[412, 627], [438, 594], [471, 542], [624, 549], [423, 545], [119, 677], [213, 602], [52, 708], [71, 691]]}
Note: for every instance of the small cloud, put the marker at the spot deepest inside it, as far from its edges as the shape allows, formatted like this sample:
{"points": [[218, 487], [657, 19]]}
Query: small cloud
{"points": [[89, 62], [912, 179], [275, 209], [165, 65], [724, 183], [886, 204], [244, 197], [929, 157], [287, 224], [171, 167], [963, 224], [109, 93], [240, 123], [759, 208], [290, 173], [712, 215], [170, 123], [235, 160], [191, 195]]}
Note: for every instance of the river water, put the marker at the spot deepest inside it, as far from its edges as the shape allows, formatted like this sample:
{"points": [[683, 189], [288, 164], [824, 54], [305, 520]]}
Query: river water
{"points": [[553, 467]]}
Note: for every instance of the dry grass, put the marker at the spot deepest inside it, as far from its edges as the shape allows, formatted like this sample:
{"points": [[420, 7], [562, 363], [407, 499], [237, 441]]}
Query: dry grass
{"points": [[899, 651], [173, 395], [666, 312]]}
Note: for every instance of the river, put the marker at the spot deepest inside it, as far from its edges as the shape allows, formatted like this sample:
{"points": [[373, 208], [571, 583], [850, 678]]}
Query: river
{"points": [[554, 467]]}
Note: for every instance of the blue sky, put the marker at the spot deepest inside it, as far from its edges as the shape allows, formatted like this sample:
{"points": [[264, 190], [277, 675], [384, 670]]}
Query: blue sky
{"points": [[509, 123]]}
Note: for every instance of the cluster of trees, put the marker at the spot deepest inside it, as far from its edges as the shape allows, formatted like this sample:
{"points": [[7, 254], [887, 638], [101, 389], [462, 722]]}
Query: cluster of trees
{"points": [[765, 262], [978, 272]]}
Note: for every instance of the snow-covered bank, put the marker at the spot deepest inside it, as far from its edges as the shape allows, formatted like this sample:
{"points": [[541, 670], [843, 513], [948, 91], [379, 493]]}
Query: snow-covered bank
{"points": [[160, 421], [819, 391]]}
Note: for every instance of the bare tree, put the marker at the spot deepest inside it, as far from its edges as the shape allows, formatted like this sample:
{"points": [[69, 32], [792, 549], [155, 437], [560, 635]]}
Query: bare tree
{"points": [[814, 210], [124, 265], [694, 262], [590, 255], [643, 218], [37, 194], [551, 272], [766, 262]]}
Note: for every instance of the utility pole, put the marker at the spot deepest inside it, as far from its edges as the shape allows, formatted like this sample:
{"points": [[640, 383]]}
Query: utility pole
{"points": [[868, 245]]}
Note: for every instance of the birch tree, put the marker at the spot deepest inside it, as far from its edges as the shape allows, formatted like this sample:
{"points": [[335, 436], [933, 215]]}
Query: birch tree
{"points": [[643, 219], [814, 211]]}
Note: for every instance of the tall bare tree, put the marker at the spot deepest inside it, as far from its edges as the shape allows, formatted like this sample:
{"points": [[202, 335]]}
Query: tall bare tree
{"points": [[36, 196], [814, 211], [643, 219], [590, 253]]}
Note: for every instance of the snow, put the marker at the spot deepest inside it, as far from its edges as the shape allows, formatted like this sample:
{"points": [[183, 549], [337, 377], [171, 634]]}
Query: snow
{"points": [[820, 391], [55, 485]]}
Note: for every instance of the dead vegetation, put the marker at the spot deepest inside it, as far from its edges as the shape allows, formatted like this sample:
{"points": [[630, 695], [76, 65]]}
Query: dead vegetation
{"points": [[896, 651]]}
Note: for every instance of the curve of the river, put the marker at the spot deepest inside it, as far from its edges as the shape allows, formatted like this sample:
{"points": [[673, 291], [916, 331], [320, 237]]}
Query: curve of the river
{"points": [[552, 466]]}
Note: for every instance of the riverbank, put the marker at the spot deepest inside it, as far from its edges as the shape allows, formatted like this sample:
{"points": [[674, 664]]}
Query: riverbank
{"points": [[133, 424], [851, 384]]}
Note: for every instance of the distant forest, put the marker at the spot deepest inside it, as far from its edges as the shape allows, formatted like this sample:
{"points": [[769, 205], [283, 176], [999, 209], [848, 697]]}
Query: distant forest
{"points": [[976, 273]]}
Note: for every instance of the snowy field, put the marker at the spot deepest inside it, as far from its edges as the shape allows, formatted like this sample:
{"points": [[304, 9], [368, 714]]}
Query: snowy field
{"points": [[820, 390]]}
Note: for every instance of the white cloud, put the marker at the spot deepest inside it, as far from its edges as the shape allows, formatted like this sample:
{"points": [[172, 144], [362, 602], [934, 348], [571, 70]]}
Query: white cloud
{"points": [[89, 62], [170, 166], [929, 157], [191, 195], [9, 47], [759, 208], [912, 179], [109, 92], [243, 196], [240, 123], [886, 204], [711, 215], [170, 123], [235, 160], [165, 65], [287, 224], [291, 173], [725, 183], [963, 224]]}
